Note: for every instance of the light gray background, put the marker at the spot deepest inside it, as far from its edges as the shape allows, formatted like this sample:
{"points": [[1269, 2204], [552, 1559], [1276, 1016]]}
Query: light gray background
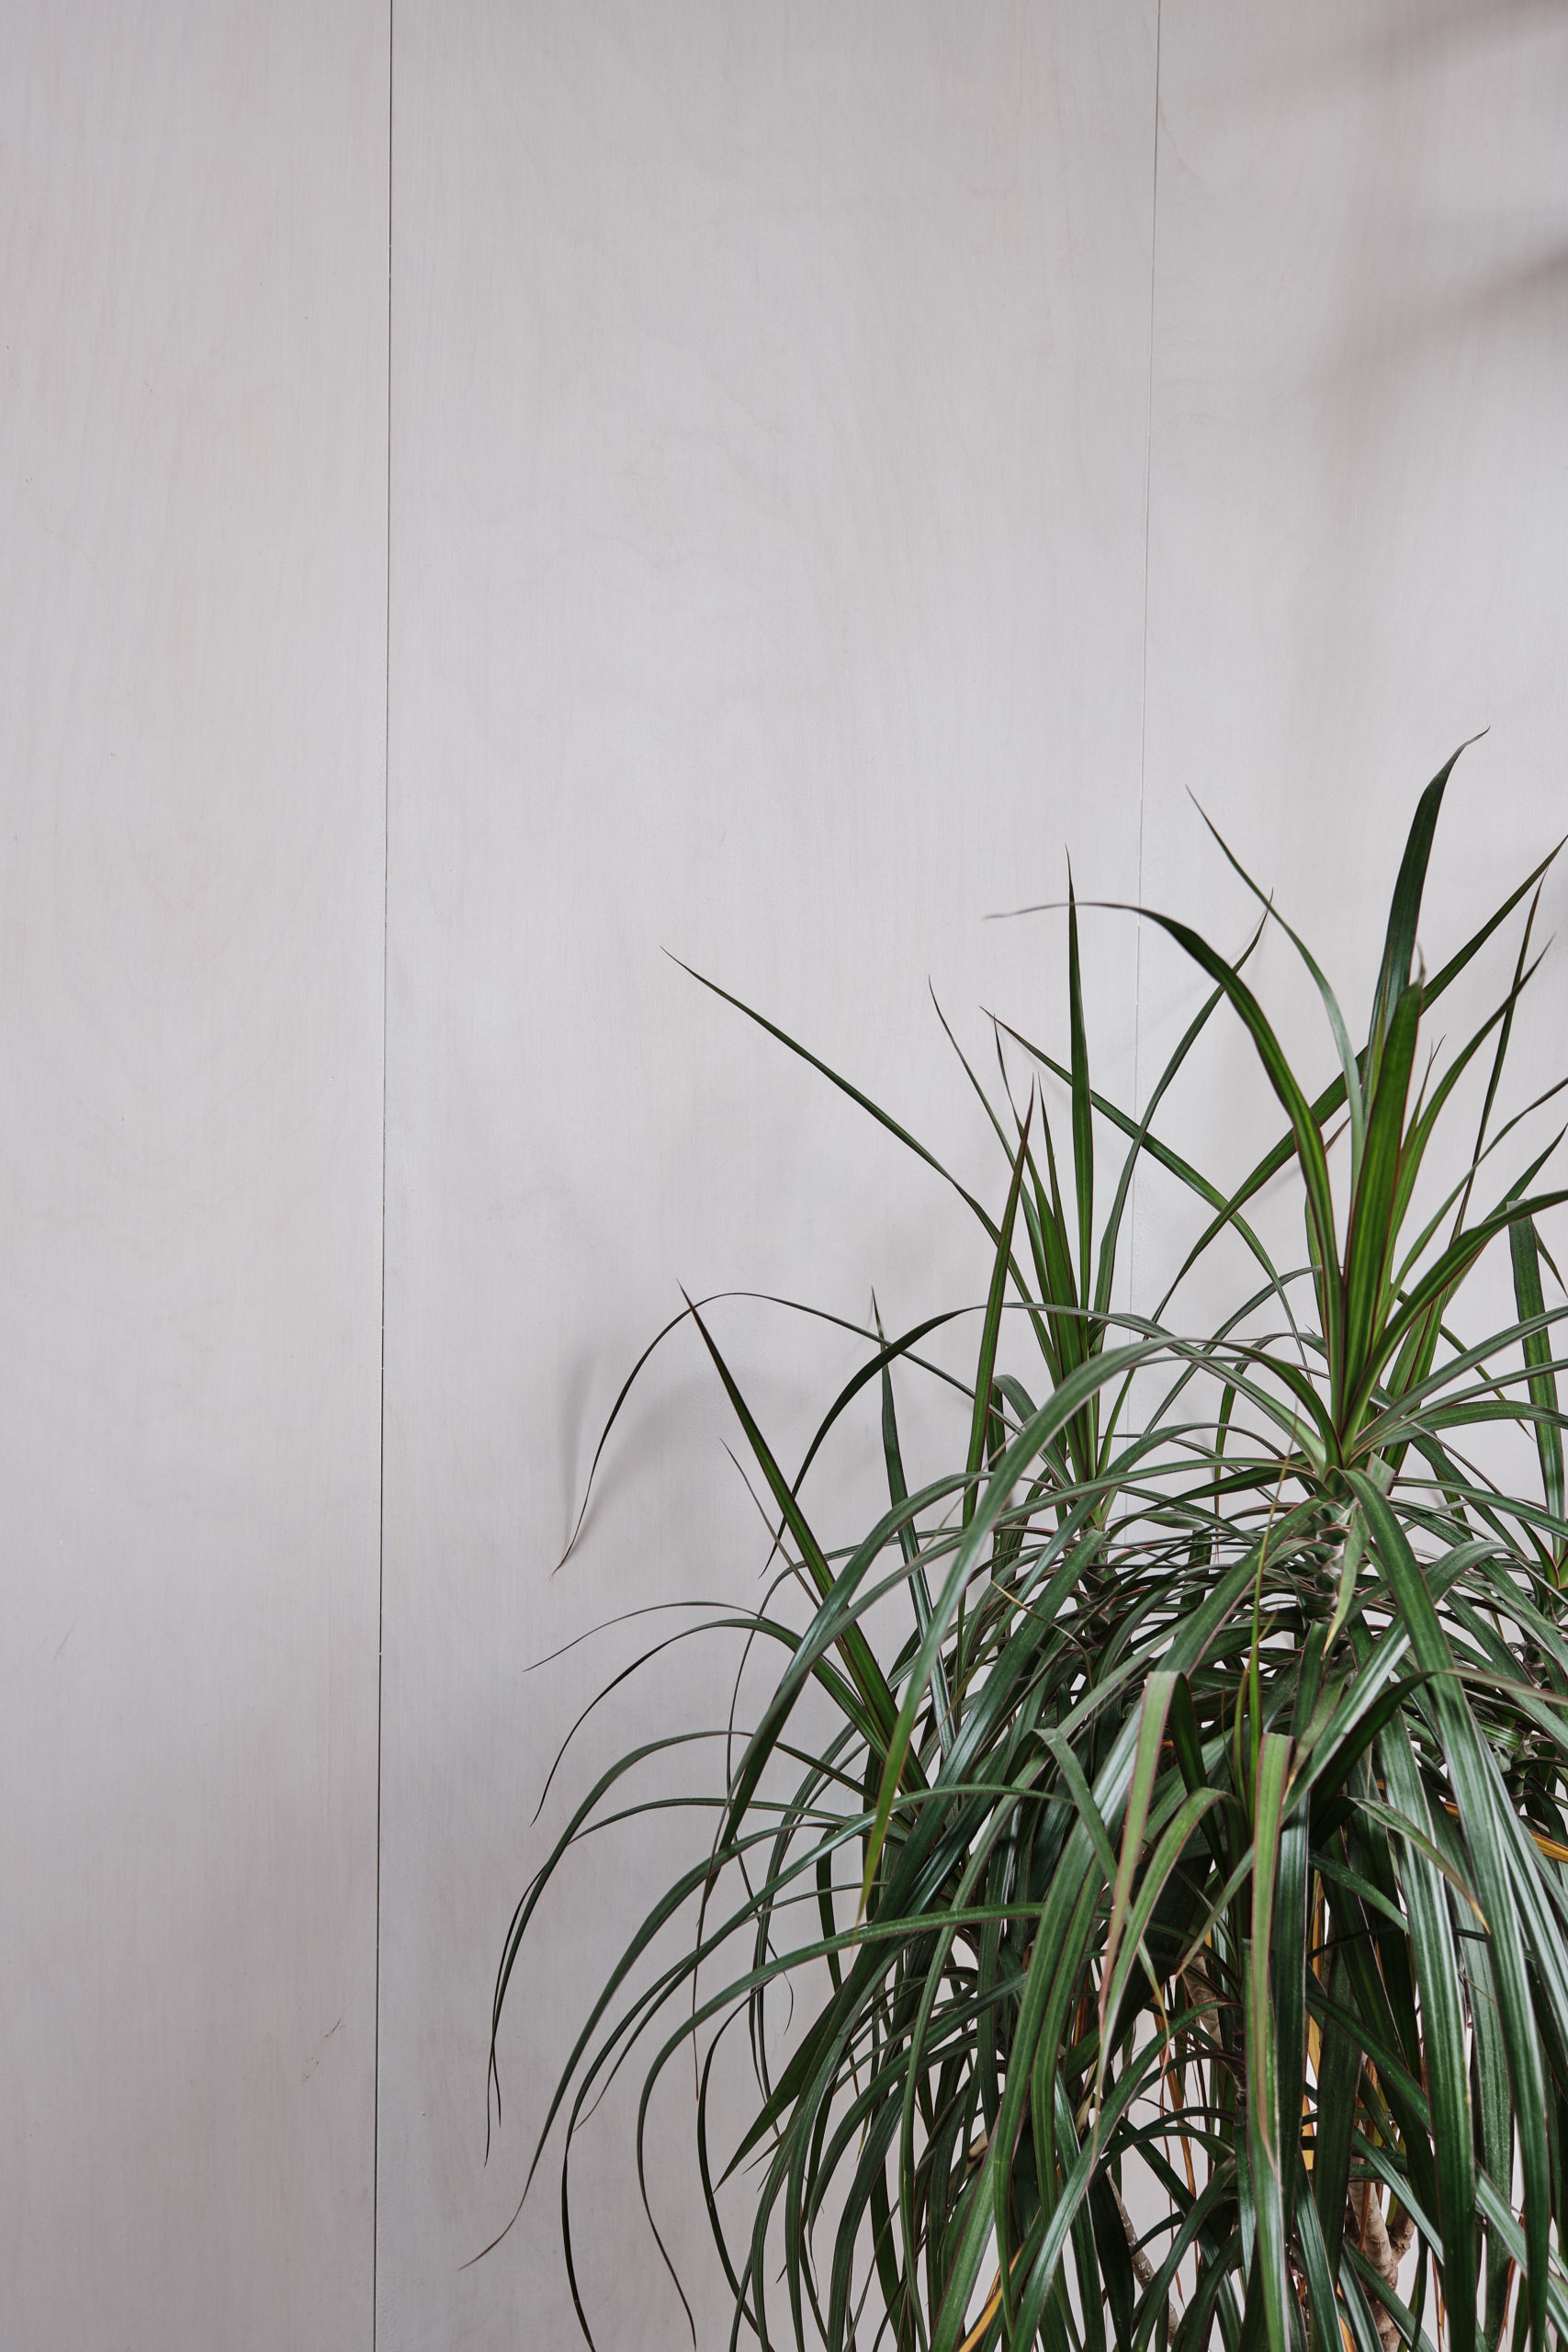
{"points": [[803, 469]]}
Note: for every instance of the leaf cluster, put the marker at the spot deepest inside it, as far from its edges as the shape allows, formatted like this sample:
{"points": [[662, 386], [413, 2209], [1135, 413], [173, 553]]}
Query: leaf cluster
{"points": [[1168, 1877]]}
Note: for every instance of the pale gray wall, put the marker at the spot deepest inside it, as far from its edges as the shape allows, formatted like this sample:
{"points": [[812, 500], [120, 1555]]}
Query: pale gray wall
{"points": [[193, 433], [838, 458]]}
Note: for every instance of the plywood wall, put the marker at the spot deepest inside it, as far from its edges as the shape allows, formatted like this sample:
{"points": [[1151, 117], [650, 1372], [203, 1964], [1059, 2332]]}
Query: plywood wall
{"points": [[494, 493]]}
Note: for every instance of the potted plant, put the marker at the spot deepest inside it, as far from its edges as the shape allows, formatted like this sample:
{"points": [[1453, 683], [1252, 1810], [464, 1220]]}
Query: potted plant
{"points": [[1170, 1880]]}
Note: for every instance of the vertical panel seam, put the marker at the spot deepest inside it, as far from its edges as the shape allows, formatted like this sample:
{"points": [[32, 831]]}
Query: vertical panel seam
{"points": [[1144, 668], [381, 1473]]}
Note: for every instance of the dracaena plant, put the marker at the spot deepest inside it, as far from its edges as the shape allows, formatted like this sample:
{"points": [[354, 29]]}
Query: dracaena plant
{"points": [[1167, 1879]]}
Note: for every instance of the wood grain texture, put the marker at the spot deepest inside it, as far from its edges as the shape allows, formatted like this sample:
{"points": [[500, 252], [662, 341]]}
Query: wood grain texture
{"points": [[768, 497], [192, 376], [774, 426], [1359, 506]]}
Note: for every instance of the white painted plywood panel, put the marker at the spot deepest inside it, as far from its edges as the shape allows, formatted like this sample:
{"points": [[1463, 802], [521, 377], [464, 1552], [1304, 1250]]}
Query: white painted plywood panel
{"points": [[192, 577], [769, 433], [1359, 512]]}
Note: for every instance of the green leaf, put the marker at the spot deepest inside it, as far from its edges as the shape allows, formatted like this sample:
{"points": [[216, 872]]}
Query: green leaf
{"points": [[1439, 1282], [1404, 909], [1474, 1786], [898, 1494], [1052, 1418], [1083, 1114], [986, 1369], [1524, 1247], [1369, 1243], [1304, 1124], [1332, 1098], [1349, 1068], [1442, 2034], [1151, 1733], [1262, 2056], [1189, 1813]]}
